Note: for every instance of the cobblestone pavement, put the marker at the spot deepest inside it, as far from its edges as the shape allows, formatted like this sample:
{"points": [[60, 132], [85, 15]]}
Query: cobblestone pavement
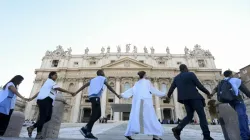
{"points": [[191, 132], [188, 134]]}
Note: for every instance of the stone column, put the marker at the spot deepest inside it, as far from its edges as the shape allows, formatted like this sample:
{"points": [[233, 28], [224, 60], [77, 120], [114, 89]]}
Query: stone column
{"points": [[77, 104], [51, 128], [229, 121], [162, 114], [15, 125], [172, 114], [80, 119], [157, 101], [117, 100], [28, 109], [208, 86], [121, 116], [104, 101], [176, 105], [111, 114]]}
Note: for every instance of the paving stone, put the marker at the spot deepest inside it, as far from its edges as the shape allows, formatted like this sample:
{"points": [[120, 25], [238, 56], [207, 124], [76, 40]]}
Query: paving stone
{"points": [[187, 134], [116, 132]]}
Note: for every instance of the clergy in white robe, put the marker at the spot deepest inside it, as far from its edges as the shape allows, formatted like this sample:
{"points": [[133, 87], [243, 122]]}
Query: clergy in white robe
{"points": [[142, 117]]}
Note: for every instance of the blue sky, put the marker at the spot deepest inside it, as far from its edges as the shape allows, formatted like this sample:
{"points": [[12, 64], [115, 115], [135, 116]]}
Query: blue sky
{"points": [[29, 28]]}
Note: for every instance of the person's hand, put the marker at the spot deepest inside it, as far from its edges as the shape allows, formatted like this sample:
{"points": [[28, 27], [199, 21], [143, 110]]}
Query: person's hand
{"points": [[164, 97], [210, 96], [72, 93], [119, 96], [26, 99], [85, 97], [168, 100]]}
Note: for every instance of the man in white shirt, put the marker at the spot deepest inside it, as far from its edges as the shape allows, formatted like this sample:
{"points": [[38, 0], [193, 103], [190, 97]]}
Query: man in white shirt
{"points": [[94, 93]]}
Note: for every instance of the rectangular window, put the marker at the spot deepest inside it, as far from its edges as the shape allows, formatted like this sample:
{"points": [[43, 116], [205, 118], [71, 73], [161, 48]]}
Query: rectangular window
{"points": [[141, 61], [87, 101], [161, 62], [165, 101], [244, 72], [55, 63], [92, 62], [179, 63], [112, 61], [75, 64], [201, 63], [111, 100]]}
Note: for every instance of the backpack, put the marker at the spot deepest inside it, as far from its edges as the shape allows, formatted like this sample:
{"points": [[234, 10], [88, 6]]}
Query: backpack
{"points": [[225, 93]]}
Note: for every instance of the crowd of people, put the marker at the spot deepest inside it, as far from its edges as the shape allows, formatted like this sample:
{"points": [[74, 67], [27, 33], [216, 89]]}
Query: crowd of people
{"points": [[103, 120], [29, 122], [143, 118]]}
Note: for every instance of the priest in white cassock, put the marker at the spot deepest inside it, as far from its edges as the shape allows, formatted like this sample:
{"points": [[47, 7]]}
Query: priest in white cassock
{"points": [[142, 117]]}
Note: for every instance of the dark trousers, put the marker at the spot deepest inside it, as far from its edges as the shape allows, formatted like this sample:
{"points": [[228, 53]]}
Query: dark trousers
{"points": [[4, 122], [240, 108], [198, 106], [96, 112], [45, 112]]}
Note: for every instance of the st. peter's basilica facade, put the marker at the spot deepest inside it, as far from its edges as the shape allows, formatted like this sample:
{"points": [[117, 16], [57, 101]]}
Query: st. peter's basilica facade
{"points": [[121, 71]]}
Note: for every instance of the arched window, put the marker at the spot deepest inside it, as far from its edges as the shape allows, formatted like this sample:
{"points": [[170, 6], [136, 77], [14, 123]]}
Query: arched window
{"points": [[111, 95], [163, 87], [164, 90], [126, 86], [112, 84], [71, 87]]}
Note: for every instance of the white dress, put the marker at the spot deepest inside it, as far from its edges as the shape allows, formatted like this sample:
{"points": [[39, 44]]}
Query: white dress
{"points": [[142, 118]]}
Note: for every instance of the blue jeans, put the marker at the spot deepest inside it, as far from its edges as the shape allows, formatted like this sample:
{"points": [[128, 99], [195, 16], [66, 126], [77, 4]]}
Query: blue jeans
{"points": [[240, 108]]}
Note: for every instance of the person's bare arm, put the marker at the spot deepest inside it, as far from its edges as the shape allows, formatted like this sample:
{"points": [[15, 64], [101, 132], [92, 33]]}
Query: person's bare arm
{"points": [[111, 89], [14, 90], [30, 99], [82, 88], [214, 91], [64, 90], [171, 89], [245, 90]]}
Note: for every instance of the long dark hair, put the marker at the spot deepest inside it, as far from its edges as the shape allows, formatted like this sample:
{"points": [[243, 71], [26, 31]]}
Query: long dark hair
{"points": [[15, 80]]}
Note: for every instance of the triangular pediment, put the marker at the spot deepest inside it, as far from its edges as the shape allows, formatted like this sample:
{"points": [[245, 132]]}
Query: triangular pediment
{"points": [[127, 63]]}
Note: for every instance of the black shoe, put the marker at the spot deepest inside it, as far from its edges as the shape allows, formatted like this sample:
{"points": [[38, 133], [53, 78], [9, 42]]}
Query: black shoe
{"points": [[176, 133], [39, 136], [91, 136], [83, 130], [129, 137], [208, 138], [157, 139]]}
